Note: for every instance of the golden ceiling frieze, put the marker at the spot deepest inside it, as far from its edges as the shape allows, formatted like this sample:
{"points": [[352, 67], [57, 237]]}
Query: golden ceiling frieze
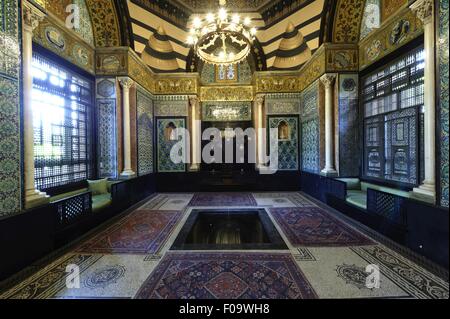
{"points": [[226, 93]]}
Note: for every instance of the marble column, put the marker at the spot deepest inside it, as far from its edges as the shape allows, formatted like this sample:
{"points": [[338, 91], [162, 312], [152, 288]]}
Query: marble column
{"points": [[259, 116], [126, 84], [424, 11], [31, 18], [195, 133], [328, 81]]}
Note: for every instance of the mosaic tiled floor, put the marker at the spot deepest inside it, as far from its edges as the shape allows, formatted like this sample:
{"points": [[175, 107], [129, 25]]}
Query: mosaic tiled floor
{"points": [[326, 258]]}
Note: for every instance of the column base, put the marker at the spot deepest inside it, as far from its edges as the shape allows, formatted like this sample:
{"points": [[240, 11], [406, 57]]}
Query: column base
{"points": [[127, 174], [425, 193], [194, 167], [329, 172], [35, 199]]}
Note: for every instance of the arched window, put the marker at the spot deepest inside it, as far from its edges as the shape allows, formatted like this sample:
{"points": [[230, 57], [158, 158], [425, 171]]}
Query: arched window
{"points": [[284, 133], [170, 132]]}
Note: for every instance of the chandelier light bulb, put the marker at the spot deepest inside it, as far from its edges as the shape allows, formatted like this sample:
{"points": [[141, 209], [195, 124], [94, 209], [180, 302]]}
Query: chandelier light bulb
{"points": [[190, 40], [236, 18], [247, 21], [223, 15], [197, 23], [210, 17], [253, 31]]}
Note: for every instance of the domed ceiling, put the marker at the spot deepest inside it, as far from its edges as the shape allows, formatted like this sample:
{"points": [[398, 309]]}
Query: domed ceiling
{"points": [[288, 30]]}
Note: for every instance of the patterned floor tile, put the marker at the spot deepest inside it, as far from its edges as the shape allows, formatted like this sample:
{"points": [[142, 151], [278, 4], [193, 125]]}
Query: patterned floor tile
{"points": [[112, 276], [412, 278], [337, 272], [313, 227], [141, 232], [226, 276]]}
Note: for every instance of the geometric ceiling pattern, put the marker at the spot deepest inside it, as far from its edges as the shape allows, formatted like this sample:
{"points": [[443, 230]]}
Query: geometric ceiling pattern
{"points": [[288, 30]]}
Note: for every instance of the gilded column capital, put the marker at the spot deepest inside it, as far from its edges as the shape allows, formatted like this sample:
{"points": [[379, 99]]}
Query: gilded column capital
{"points": [[328, 80], [194, 100], [260, 100], [424, 10], [32, 16], [126, 82]]}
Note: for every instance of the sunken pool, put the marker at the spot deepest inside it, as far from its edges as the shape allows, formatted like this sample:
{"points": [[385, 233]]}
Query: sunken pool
{"points": [[249, 229]]}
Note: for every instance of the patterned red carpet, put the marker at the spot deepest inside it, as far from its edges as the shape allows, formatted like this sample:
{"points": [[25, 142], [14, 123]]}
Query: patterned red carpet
{"points": [[142, 232], [227, 276], [313, 227], [223, 199], [326, 257]]}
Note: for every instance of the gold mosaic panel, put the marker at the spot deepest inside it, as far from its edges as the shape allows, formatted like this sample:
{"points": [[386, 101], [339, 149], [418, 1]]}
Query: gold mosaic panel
{"points": [[390, 37]]}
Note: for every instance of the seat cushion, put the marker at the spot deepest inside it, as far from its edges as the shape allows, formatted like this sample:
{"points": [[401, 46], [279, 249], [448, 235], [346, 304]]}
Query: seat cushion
{"points": [[352, 183], [394, 191], [98, 187], [357, 198], [100, 202], [67, 195]]}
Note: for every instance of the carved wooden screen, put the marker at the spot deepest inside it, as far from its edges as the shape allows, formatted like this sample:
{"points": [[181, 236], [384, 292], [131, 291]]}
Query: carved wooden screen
{"points": [[393, 100]]}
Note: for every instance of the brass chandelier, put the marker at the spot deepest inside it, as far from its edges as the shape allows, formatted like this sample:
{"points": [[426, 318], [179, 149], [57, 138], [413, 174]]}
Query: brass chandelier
{"points": [[222, 38]]}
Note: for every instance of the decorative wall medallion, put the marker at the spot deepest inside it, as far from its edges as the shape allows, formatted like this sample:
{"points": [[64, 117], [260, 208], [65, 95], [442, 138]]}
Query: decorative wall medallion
{"points": [[348, 85], [106, 88], [105, 276], [353, 275], [399, 32], [80, 54], [374, 50], [55, 37], [111, 63]]}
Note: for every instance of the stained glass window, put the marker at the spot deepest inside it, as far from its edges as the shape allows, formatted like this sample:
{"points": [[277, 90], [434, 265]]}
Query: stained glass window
{"points": [[393, 100], [227, 73], [62, 119]]}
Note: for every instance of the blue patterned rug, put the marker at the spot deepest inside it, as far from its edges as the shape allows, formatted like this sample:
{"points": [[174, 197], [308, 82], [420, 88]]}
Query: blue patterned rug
{"points": [[313, 227], [226, 276], [223, 199]]}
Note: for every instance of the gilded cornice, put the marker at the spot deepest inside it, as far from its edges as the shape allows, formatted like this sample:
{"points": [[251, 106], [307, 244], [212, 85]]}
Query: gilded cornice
{"points": [[226, 93], [400, 29]]}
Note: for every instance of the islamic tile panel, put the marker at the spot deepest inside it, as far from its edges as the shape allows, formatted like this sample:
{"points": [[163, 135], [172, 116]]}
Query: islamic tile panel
{"points": [[107, 128], [287, 147], [443, 71], [9, 33], [372, 17], [348, 125], [226, 111], [85, 27], [310, 129], [10, 149], [209, 74], [165, 144], [310, 100], [145, 133], [310, 146]]}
